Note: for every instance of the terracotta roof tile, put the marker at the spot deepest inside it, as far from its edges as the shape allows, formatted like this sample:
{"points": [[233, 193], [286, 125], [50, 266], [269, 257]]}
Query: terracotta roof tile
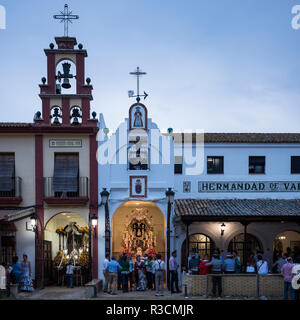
{"points": [[242, 137], [15, 124], [237, 207]]}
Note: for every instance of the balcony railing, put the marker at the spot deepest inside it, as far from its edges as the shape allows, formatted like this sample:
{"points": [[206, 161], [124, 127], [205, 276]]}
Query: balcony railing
{"points": [[15, 192], [82, 189]]}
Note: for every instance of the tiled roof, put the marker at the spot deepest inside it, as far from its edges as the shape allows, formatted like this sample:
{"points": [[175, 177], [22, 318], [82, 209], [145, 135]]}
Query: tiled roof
{"points": [[15, 124], [237, 207], [242, 137]]}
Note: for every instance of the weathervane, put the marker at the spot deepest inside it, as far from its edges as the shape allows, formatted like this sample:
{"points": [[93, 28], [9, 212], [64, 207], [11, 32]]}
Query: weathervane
{"points": [[66, 16], [137, 73]]}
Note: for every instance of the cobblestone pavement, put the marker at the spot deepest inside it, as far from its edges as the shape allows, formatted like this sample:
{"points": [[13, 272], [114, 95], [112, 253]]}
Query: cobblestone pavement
{"points": [[54, 293], [78, 293]]}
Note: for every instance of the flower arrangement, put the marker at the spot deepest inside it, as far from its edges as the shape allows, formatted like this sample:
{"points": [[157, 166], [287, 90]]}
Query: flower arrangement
{"points": [[58, 257], [59, 229], [151, 252], [83, 259], [83, 229]]}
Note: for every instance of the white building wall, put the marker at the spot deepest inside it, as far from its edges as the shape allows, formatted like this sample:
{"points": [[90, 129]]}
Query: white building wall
{"points": [[236, 168], [25, 243], [23, 146]]}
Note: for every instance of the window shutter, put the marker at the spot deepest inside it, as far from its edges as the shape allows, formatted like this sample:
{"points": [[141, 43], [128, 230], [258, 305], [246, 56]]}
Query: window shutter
{"points": [[7, 172], [66, 171]]}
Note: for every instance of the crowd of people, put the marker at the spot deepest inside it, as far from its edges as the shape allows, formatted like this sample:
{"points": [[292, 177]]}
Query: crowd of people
{"points": [[146, 273], [285, 264], [149, 272], [20, 273]]}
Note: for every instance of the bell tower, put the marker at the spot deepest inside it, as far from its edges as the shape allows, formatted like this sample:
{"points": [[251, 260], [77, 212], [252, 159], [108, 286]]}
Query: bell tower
{"points": [[65, 126], [65, 93]]}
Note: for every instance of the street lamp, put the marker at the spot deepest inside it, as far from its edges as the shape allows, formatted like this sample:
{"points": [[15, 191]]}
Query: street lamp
{"points": [[33, 221], [170, 195], [104, 196], [94, 222], [104, 201], [223, 227]]}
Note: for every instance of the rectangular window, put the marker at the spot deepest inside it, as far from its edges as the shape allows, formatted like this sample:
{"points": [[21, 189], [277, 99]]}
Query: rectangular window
{"points": [[257, 165], [295, 164], [178, 164], [7, 174], [66, 174], [215, 165], [138, 158]]}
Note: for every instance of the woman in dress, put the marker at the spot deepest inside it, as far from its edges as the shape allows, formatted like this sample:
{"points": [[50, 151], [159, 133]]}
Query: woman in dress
{"points": [[139, 268], [26, 282]]}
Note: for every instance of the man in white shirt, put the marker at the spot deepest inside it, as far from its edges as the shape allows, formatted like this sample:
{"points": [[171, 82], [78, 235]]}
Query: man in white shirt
{"points": [[262, 265], [159, 267], [105, 272]]}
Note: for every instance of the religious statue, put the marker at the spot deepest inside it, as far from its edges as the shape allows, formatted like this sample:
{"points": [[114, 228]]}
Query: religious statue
{"points": [[139, 235], [138, 118]]}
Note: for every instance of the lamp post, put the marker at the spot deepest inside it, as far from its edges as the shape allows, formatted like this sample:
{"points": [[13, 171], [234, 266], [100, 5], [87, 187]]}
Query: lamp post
{"points": [[34, 219], [104, 201], [223, 227], [93, 221], [170, 194]]}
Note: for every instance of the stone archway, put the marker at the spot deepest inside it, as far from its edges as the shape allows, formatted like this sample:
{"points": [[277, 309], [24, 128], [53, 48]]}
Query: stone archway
{"points": [[138, 227], [286, 242], [65, 239], [253, 244], [200, 243]]}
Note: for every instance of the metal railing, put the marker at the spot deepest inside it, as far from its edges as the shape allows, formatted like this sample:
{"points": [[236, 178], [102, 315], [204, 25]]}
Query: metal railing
{"points": [[16, 190], [82, 189]]}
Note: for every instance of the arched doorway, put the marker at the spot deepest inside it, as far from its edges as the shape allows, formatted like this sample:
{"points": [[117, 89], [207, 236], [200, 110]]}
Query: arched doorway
{"points": [[138, 227], [252, 245], [286, 242], [66, 238], [199, 243]]}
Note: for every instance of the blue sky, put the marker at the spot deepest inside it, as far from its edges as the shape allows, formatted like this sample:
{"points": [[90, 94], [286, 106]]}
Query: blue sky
{"points": [[217, 65]]}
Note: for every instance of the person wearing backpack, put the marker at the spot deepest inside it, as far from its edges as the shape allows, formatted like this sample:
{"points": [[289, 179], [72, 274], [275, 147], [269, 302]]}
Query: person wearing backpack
{"points": [[159, 267], [261, 265]]}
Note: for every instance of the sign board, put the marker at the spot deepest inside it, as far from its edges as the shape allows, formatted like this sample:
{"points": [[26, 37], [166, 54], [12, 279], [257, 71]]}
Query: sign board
{"points": [[248, 186], [2, 278], [65, 143]]}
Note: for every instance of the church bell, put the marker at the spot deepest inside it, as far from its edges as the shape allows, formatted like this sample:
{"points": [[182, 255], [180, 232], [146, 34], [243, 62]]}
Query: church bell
{"points": [[65, 75], [66, 84]]}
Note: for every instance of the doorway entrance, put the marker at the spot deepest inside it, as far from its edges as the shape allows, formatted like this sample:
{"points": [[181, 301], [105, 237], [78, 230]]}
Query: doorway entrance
{"points": [[66, 240], [48, 278], [286, 242], [198, 243], [138, 228]]}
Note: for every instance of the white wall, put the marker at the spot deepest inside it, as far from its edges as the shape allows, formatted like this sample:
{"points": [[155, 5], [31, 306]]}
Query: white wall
{"points": [[25, 243], [23, 147], [236, 161]]}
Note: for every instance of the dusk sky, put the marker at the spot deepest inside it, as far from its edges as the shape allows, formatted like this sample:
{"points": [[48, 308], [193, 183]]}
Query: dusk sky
{"points": [[217, 65]]}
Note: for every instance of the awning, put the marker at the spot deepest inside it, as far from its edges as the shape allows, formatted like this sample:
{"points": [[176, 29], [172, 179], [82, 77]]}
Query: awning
{"points": [[237, 209], [17, 214]]}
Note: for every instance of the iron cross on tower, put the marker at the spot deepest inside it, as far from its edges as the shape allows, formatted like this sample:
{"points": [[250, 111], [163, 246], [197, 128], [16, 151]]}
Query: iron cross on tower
{"points": [[137, 73], [66, 16]]}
